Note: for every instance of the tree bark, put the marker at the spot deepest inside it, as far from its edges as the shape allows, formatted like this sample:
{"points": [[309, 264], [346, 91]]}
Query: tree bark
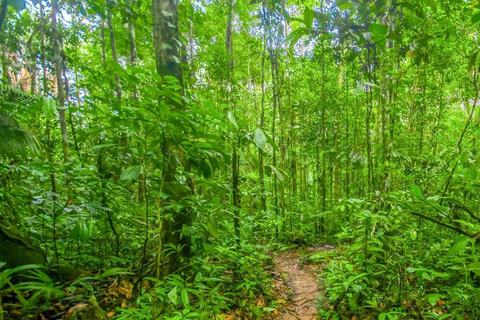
{"points": [[133, 46], [166, 39], [118, 87], [60, 87], [235, 144]]}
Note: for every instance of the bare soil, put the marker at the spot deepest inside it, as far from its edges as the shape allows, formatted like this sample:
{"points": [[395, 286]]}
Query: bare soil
{"points": [[296, 283]]}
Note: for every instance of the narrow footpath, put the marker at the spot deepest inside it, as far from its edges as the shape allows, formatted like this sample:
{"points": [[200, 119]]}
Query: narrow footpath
{"points": [[296, 283]]}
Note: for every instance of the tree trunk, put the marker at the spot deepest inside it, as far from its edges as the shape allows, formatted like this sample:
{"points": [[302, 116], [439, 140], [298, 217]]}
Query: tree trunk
{"points": [[118, 87], [168, 62], [133, 46], [235, 144], [60, 88]]}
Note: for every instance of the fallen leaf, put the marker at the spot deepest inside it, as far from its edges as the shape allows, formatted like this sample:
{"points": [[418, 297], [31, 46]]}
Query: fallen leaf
{"points": [[260, 302], [124, 304], [227, 316], [112, 289], [110, 314], [145, 284], [127, 292], [79, 307]]}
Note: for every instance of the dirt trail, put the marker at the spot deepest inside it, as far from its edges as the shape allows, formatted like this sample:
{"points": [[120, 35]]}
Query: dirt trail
{"points": [[296, 283]]}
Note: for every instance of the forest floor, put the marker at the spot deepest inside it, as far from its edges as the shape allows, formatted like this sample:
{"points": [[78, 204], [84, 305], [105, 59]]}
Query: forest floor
{"points": [[296, 283]]}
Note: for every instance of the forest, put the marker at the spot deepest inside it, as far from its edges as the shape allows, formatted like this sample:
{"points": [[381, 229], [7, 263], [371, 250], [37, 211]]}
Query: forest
{"points": [[239, 159]]}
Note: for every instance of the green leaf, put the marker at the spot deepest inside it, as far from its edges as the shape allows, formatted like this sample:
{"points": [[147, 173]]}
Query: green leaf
{"points": [[416, 191], [212, 226], [325, 36], [371, 84], [296, 34], [476, 18], [271, 142], [378, 30], [430, 3], [172, 295], [277, 173], [433, 298], [17, 5], [131, 173], [185, 299], [460, 245], [114, 272], [474, 267], [308, 15], [345, 6], [49, 107], [103, 146], [232, 119], [260, 139]]}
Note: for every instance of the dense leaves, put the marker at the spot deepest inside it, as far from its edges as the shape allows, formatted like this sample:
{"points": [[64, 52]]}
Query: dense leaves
{"points": [[153, 153]]}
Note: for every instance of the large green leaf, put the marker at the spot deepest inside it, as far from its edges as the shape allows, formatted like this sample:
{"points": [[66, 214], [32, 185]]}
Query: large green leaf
{"points": [[260, 139], [378, 30], [49, 107], [14, 140], [185, 298], [212, 226], [345, 5], [308, 15], [416, 191], [172, 295], [17, 5], [430, 3], [131, 173], [295, 35], [277, 173]]}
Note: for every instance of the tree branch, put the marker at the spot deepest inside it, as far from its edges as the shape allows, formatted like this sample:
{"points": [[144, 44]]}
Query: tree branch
{"points": [[454, 228]]}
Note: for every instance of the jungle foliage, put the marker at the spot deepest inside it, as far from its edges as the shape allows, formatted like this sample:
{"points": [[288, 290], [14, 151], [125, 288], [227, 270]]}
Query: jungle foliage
{"points": [[154, 153]]}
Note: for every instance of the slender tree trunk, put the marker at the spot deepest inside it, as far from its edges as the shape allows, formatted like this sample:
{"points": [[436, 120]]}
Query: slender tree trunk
{"points": [[439, 118], [263, 199], [3, 13], [236, 142], [133, 46], [118, 87], [324, 146], [60, 92]]}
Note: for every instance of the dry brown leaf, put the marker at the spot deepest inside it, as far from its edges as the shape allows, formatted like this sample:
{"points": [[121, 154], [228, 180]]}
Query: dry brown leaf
{"points": [[110, 314], [79, 307], [227, 316], [127, 292], [261, 301], [112, 289], [146, 284], [124, 304]]}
